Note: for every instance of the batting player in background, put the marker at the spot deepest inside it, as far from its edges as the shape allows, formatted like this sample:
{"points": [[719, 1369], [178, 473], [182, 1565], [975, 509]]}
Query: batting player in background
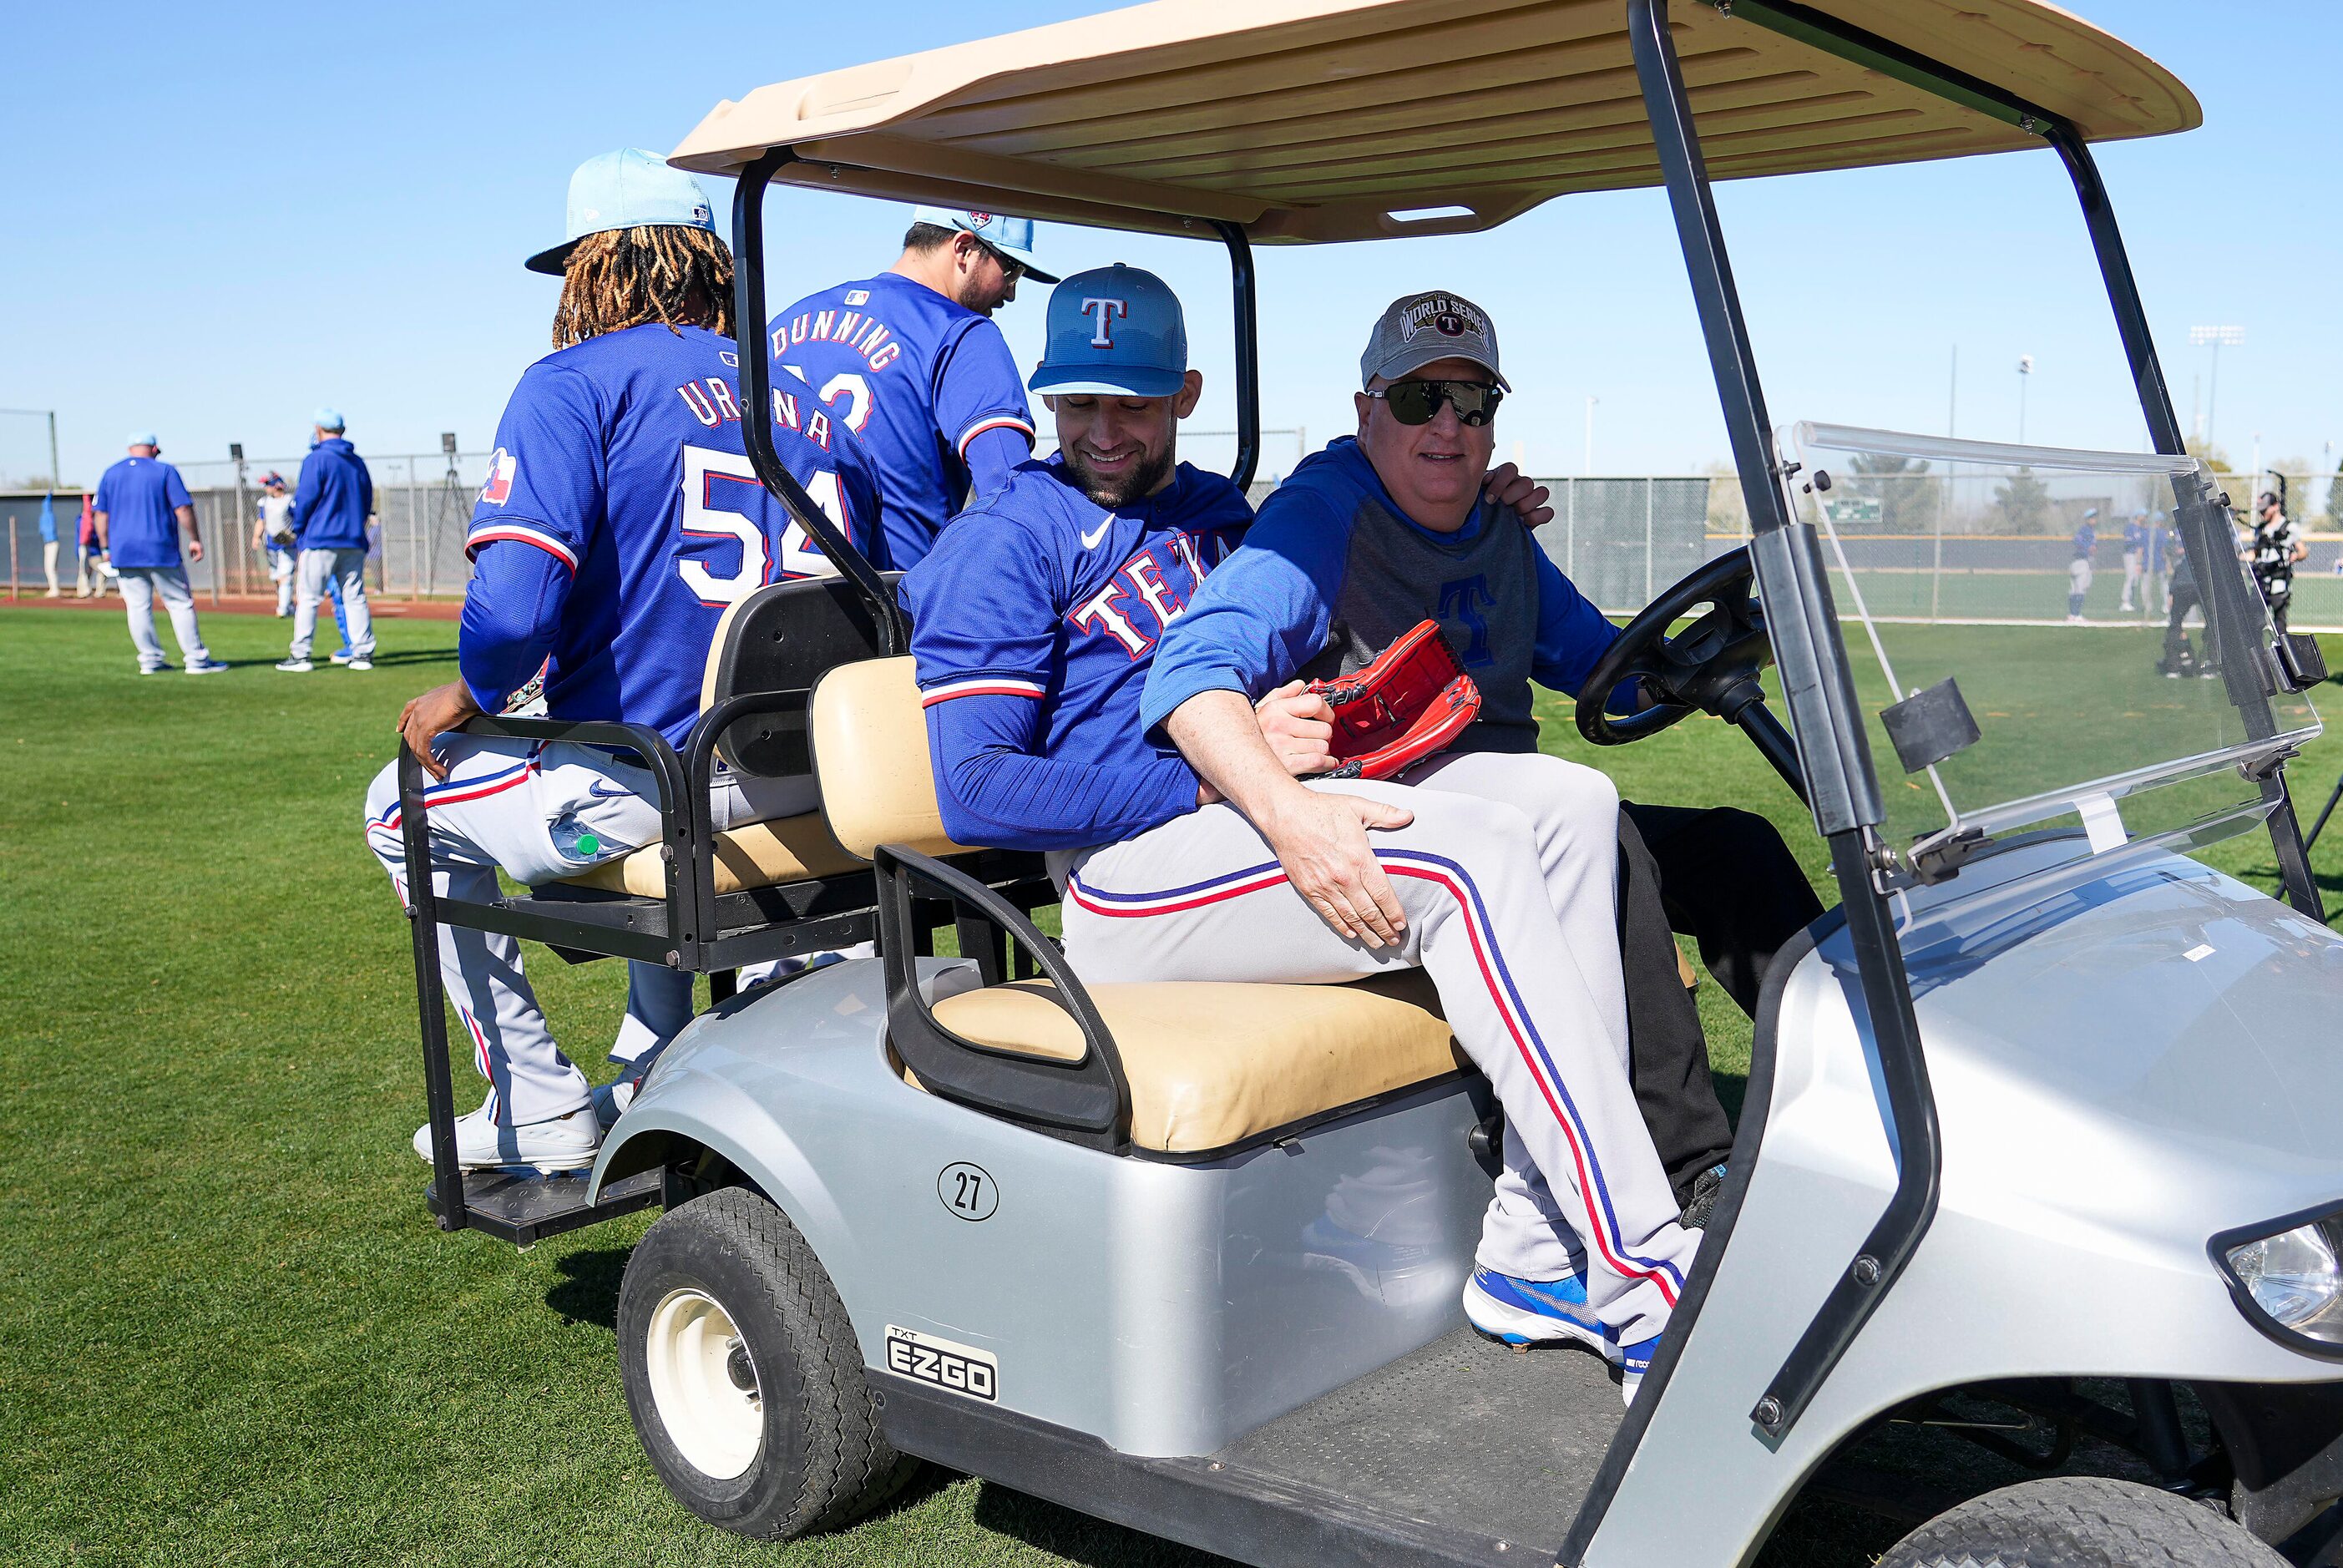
{"points": [[272, 530], [1377, 533], [2276, 551], [1035, 621], [619, 518], [2135, 558], [140, 508], [330, 511], [2078, 571], [912, 362]]}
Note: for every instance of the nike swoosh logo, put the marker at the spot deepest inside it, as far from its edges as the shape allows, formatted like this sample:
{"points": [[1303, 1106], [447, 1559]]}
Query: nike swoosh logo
{"points": [[1091, 540], [594, 787]]}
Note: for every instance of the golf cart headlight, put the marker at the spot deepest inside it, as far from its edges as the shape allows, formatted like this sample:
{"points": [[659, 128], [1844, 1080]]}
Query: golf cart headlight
{"points": [[2296, 1280]]}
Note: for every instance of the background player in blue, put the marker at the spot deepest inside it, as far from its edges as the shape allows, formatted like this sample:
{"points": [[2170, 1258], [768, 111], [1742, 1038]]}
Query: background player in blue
{"points": [[2135, 558], [331, 504], [911, 361], [141, 506], [1034, 622], [619, 518]]}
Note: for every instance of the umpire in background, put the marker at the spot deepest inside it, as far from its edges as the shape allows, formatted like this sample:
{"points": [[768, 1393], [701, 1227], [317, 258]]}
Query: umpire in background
{"points": [[142, 503], [330, 509]]}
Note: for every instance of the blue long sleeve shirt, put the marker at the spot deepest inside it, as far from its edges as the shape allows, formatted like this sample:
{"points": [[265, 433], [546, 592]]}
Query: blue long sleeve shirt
{"points": [[1267, 610], [335, 498]]}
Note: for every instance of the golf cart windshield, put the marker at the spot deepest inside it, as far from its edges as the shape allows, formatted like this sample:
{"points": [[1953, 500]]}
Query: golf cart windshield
{"points": [[2005, 612]]}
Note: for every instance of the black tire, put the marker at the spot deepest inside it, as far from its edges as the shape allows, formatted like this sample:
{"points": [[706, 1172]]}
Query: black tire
{"points": [[2080, 1521], [820, 1461]]}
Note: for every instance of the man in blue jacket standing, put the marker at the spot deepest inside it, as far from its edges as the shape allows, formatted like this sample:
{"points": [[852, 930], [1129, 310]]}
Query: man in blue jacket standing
{"points": [[329, 517], [141, 506]]}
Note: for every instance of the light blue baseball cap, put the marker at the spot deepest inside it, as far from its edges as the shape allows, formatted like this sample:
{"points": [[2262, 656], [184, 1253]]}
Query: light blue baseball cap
{"points": [[1117, 330], [629, 188], [1011, 237], [326, 418], [141, 438]]}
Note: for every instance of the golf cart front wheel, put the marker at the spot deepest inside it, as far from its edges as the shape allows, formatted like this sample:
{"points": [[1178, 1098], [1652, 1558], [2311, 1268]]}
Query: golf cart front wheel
{"points": [[744, 1377], [2081, 1522]]}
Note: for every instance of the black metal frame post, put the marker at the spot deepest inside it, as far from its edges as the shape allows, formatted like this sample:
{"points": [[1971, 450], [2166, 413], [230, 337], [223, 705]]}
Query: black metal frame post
{"points": [[430, 992], [1845, 791], [1247, 332], [757, 395]]}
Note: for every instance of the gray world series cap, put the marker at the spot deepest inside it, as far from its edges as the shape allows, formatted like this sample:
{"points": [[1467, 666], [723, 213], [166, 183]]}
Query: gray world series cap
{"points": [[1418, 328]]}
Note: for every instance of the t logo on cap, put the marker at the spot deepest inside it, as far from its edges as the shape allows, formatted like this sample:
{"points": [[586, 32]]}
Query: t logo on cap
{"points": [[1103, 313]]}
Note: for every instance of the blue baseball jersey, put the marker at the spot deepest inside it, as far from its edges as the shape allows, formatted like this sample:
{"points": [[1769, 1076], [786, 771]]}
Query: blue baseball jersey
{"points": [[2086, 541], [923, 381], [621, 457], [1034, 620], [2134, 536], [140, 498]]}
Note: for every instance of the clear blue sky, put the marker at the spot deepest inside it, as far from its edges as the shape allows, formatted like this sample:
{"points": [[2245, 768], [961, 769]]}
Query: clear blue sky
{"points": [[222, 218]]}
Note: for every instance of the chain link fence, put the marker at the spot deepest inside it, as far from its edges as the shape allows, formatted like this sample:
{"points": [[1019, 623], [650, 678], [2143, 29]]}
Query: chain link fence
{"points": [[1620, 539]]}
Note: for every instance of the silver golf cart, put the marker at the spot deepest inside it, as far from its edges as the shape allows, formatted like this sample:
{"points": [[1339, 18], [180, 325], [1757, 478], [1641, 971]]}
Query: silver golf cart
{"points": [[2041, 1126]]}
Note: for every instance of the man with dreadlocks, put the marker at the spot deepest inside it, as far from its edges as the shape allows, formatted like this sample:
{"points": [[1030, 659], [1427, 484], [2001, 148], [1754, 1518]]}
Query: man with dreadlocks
{"points": [[619, 518]]}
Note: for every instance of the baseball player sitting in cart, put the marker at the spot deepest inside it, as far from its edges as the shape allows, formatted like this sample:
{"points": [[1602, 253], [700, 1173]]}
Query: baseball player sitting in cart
{"points": [[1379, 533], [620, 518], [1035, 622]]}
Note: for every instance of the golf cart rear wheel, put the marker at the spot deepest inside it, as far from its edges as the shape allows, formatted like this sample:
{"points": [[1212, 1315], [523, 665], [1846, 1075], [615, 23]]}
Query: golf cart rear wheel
{"points": [[2081, 1522], [744, 1377]]}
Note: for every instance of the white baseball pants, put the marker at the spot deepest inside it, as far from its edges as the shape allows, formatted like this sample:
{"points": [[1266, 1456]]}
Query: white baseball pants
{"points": [[141, 587], [284, 568], [348, 568], [542, 812], [1508, 876]]}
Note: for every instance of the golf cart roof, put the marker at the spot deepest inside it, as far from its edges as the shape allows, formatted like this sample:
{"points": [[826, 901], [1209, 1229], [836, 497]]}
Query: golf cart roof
{"points": [[1314, 120]]}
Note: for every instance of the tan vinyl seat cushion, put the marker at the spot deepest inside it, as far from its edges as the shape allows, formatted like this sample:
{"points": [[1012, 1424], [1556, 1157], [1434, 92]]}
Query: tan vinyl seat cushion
{"points": [[760, 855], [1213, 1064]]}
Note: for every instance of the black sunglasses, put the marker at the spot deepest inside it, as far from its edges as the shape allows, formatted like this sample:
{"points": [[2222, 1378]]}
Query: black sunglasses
{"points": [[1415, 402], [1015, 269]]}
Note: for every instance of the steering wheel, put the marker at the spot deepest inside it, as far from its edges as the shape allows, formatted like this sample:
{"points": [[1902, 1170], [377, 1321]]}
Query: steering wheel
{"points": [[1711, 666]]}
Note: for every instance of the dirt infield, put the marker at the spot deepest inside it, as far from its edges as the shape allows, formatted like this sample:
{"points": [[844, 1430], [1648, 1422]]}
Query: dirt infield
{"points": [[250, 604]]}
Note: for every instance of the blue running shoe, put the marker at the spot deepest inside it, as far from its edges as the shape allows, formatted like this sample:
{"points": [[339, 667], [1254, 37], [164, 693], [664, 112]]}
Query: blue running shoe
{"points": [[1635, 1361], [1527, 1312]]}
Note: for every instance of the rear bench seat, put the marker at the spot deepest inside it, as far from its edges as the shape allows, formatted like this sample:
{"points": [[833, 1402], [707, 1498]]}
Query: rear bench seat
{"points": [[1209, 1065]]}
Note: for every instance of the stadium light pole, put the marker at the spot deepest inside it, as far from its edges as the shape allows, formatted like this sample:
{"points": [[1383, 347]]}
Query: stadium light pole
{"points": [[2025, 374], [2218, 337]]}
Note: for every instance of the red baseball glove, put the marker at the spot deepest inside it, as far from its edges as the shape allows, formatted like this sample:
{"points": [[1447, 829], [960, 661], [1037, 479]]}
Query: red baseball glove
{"points": [[1408, 705]]}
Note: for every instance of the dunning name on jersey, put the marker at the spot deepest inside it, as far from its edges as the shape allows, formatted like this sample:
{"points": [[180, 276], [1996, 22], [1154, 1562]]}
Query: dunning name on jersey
{"points": [[863, 333]]}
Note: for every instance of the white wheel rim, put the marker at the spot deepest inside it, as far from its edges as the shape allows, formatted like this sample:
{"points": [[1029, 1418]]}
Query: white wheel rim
{"points": [[714, 1423]]}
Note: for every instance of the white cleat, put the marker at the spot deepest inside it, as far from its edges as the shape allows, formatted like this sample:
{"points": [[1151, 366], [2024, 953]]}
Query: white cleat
{"points": [[564, 1143], [611, 1099], [208, 666], [358, 664], [339, 656], [297, 666]]}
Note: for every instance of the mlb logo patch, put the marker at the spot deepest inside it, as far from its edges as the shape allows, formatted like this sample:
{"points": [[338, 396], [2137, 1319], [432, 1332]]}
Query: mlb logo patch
{"points": [[502, 467], [858, 297]]}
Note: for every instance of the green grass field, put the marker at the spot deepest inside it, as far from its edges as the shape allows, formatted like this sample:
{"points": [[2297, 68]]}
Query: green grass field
{"points": [[229, 1333]]}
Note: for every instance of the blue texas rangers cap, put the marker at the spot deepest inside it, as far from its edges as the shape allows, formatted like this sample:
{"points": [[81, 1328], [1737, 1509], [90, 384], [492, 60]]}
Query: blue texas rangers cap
{"points": [[629, 188], [1117, 330], [141, 438], [1011, 237]]}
